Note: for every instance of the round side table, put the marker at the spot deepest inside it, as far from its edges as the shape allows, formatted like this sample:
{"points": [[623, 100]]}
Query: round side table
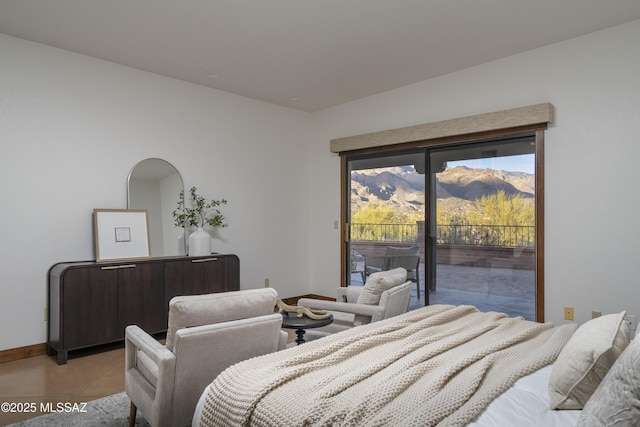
{"points": [[291, 321]]}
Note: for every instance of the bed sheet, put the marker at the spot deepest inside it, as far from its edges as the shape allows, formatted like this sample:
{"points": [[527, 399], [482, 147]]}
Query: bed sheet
{"points": [[525, 404]]}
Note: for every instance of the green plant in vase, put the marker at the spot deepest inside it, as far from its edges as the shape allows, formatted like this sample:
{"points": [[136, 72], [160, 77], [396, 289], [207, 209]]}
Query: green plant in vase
{"points": [[202, 212]]}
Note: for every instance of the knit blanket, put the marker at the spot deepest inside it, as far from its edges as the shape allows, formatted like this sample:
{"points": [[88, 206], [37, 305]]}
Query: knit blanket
{"points": [[439, 365]]}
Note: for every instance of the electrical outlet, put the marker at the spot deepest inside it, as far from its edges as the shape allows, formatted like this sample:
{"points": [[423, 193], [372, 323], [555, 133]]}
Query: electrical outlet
{"points": [[568, 313], [595, 314], [266, 282], [632, 322]]}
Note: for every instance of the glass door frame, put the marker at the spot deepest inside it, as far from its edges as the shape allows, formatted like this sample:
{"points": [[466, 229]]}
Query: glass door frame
{"points": [[536, 130], [405, 157]]}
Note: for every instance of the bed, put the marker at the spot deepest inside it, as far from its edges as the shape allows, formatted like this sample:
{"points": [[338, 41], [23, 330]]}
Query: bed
{"points": [[439, 365]]}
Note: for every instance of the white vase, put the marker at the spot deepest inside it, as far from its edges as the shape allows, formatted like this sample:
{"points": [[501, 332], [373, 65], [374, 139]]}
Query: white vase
{"points": [[199, 243]]}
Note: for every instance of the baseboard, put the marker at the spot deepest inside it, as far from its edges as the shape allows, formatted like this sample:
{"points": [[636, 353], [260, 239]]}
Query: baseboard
{"points": [[13, 354]]}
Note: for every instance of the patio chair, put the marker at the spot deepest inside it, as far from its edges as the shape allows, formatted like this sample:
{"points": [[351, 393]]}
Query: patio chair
{"points": [[375, 264], [395, 257], [392, 250], [411, 263]]}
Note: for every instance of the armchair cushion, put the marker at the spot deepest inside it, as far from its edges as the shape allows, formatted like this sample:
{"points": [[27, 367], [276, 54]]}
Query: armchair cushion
{"points": [[202, 352], [349, 294], [379, 282], [195, 310]]}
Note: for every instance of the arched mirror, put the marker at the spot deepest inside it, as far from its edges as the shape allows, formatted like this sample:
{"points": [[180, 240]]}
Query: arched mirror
{"points": [[154, 185]]}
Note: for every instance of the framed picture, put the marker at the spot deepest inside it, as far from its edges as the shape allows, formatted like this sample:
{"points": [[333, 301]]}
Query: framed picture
{"points": [[121, 234]]}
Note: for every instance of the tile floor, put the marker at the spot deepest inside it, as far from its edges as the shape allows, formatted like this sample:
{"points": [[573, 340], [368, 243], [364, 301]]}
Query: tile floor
{"points": [[505, 290]]}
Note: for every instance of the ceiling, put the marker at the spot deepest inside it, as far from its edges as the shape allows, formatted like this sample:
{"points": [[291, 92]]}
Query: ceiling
{"points": [[306, 54]]}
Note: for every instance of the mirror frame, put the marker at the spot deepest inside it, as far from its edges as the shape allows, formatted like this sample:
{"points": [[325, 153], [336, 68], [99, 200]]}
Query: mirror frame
{"points": [[167, 170]]}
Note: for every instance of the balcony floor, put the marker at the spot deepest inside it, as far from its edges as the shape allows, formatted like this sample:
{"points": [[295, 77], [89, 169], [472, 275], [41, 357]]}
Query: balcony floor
{"points": [[511, 291]]}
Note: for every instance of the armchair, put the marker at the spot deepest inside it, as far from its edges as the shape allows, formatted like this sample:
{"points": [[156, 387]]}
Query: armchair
{"points": [[206, 334], [385, 294]]}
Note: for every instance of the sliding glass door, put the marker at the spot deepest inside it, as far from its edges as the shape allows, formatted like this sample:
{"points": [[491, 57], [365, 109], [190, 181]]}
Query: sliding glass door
{"points": [[482, 237], [386, 214], [467, 210]]}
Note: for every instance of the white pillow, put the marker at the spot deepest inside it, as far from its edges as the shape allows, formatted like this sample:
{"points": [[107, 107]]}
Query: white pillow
{"points": [[586, 359], [379, 282], [617, 399]]}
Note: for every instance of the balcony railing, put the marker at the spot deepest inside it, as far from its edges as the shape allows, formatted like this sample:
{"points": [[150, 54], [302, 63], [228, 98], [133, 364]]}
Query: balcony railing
{"points": [[514, 236], [384, 232], [451, 234]]}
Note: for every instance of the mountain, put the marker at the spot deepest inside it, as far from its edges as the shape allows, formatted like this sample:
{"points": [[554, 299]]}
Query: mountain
{"points": [[403, 188]]}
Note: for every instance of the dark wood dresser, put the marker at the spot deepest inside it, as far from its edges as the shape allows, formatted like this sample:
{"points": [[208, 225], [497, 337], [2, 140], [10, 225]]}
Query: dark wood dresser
{"points": [[90, 303]]}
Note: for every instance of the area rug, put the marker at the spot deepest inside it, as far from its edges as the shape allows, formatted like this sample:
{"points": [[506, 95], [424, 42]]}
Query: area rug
{"points": [[109, 411]]}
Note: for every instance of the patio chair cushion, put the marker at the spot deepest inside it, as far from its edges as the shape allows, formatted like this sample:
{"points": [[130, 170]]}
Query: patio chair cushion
{"points": [[379, 282], [586, 359]]}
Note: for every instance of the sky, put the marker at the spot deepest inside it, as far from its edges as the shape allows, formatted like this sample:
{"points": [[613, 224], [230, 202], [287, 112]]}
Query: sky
{"points": [[520, 163]]}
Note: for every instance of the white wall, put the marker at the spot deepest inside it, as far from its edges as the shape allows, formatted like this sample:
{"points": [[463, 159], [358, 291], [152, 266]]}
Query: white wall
{"points": [[592, 252], [71, 129]]}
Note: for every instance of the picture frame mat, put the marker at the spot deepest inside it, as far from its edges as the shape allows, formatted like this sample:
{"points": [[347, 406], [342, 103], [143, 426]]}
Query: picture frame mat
{"points": [[121, 234]]}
